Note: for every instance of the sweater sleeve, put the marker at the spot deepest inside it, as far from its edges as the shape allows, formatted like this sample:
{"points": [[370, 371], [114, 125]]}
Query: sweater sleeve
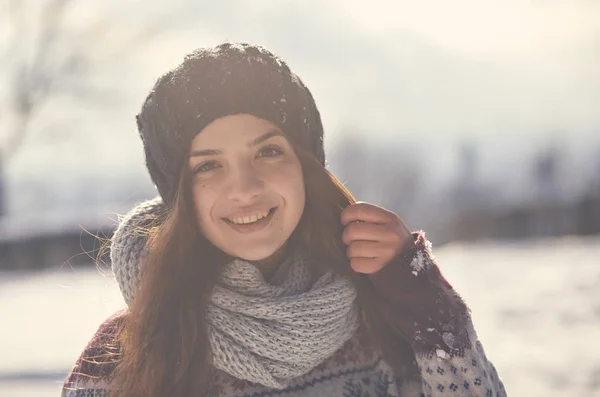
{"points": [[93, 370], [421, 306]]}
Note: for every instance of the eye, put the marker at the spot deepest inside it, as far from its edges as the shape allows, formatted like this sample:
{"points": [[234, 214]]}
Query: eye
{"points": [[206, 166], [270, 151]]}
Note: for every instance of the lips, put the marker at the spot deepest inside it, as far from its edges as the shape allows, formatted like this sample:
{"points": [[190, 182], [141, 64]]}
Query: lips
{"points": [[249, 217], [254, 223]]}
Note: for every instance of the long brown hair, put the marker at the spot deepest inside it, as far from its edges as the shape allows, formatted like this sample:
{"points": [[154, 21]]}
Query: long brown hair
{"points": [[164, 345]]}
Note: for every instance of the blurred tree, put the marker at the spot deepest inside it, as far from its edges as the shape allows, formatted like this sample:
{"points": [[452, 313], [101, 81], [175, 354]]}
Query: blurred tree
{"points": [[546, 174], [548, 209], [35, 66], [596, 180], [467, 194], [588, 206], [44, 57], [468, 162], [2, 197]]}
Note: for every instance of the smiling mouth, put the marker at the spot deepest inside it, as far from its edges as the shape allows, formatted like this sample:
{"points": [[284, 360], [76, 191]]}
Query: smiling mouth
{"points": [[250, 219]]}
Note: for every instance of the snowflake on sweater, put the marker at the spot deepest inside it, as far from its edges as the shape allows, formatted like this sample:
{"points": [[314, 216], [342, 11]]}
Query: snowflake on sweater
{"points": [[379, 384]]}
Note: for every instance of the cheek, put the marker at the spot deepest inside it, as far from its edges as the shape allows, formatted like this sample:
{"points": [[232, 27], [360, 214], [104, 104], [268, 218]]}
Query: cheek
{"points": [[289, 182], [204, 201], [300, 190]]}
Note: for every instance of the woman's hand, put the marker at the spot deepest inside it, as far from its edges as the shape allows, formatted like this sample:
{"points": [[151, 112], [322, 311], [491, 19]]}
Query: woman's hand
{"points": [[374, 236]]}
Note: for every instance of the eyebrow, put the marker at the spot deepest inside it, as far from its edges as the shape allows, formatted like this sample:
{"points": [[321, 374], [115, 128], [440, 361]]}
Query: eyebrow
{"points": [[207, 152], [213, 152], [264, 137]]}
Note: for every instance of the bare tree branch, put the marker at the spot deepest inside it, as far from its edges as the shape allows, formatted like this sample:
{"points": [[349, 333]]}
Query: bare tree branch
{"points": [[56, 62], [32, 81]]}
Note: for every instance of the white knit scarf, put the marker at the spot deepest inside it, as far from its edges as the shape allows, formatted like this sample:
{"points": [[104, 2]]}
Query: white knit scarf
{"points": [[264, 332], [272, 332]]}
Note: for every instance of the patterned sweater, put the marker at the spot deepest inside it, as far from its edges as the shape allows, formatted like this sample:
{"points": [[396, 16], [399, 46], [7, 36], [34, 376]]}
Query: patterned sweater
{"points": [[414, 300]]}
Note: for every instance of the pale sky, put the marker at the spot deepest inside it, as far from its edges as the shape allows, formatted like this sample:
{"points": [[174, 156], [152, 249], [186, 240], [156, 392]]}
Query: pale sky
{"points": [[476, 68], [508, 73]]}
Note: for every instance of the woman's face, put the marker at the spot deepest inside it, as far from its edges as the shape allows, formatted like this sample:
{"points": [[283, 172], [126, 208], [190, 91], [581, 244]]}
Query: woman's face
{"points": [[247, 185]]}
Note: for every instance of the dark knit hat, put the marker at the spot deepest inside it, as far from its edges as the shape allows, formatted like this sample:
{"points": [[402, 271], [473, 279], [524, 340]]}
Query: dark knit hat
{"points": [[216, 82]]}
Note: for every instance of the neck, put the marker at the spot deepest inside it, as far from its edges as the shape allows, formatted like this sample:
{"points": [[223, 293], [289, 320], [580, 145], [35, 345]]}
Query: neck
{"points": [[269, 265]]}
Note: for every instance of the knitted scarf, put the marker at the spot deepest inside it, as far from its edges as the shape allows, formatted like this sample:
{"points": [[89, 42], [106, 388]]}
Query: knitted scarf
{"points": [[264, 332], [270, 333]]}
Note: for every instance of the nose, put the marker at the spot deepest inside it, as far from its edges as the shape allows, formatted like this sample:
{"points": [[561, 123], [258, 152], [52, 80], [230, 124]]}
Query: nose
{"points": [[246, 184]]}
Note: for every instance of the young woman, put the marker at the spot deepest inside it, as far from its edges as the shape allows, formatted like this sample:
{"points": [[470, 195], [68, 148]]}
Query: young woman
{"points": [[255, 273]]}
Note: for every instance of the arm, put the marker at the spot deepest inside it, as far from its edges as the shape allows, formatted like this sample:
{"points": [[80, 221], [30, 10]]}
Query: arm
{"points": [[93, 370], [420, 305]]}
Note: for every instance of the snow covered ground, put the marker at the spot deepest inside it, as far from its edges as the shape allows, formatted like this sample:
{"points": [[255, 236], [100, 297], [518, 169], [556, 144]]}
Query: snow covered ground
{"points": [[535, 304]]}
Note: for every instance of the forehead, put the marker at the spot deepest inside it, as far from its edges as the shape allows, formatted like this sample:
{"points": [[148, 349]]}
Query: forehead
{"points": [[234, 130]]}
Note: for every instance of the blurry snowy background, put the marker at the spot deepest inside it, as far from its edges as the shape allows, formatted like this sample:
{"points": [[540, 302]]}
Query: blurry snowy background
{"points": [[476, 120]]}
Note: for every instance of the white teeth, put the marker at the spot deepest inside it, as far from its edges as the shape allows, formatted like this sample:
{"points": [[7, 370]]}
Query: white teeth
{"points": [[249, 219]]}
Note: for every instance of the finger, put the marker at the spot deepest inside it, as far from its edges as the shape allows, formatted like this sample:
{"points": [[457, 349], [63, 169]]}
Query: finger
{"points": [[372, 250], [363, 249], [365, 231], [366, 265], [367, 213]]}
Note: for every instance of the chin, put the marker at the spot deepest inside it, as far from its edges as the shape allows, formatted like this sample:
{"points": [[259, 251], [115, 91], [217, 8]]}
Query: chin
{"points": [[255, 254]]}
